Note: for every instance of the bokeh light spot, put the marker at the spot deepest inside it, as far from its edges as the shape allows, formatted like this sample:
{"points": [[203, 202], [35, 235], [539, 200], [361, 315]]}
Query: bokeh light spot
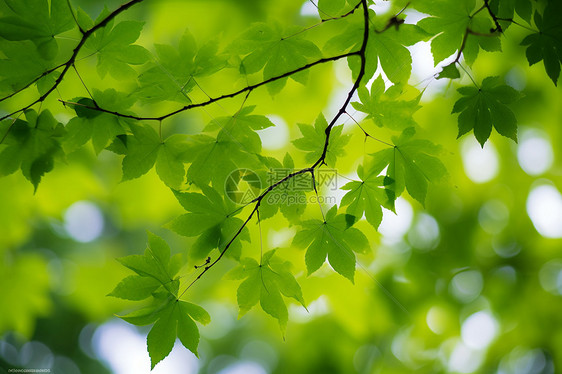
{"points": [[544, 207], [534, 152], [479, 330], [83, 221], [467, 285], [275, 137], [480, 164]]}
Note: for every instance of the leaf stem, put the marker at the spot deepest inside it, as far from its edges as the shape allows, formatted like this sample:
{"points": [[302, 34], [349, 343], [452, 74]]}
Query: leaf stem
{"points": [[470, 76]]}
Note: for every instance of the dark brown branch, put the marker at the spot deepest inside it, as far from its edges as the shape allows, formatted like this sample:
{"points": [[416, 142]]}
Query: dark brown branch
{"points": [[362, 56], [72, 58], [361, 53], [463, 44], [496, 20], [226, 96], [45, 73]]}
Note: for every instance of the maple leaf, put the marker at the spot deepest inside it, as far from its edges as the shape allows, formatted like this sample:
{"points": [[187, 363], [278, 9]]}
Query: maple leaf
{"points": [[388, 47], [39, 21], [175, 73], [368, 195], [265, 283], [411, 164], [211, 218], [115, 48], [484, 107], [32, 145], [332, 238], [265, 47], [546, 45], [384, 108], [314, 138]]}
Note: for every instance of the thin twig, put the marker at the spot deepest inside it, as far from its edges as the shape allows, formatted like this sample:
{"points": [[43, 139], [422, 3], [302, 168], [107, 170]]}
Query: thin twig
{"points": [[496, 21], [66, 66], [227, 96], [361, 53]]}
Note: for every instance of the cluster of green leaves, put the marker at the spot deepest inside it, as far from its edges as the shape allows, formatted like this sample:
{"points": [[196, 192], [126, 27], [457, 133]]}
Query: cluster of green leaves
{"points": [[38, 21], [211, 218], [266, 48], [31, 145], [177, 69], [196, 167], [266, 282], [156, 279]]}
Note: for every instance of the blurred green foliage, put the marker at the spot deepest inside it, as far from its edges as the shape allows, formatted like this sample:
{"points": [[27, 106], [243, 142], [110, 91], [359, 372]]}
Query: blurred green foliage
{"points": [[466, 283]]}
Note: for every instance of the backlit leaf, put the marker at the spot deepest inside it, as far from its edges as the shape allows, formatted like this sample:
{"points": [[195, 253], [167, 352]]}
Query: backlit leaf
{"points": [[485, 107]]}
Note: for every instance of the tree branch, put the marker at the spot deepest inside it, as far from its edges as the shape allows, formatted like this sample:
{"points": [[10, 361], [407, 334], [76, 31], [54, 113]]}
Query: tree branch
{"points": [[361, 53], [496, 20], [226, 96], [72, 58]]}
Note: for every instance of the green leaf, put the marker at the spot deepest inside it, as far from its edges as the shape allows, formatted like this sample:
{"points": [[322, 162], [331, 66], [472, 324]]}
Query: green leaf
{"points": [[480, 109], [448, 22], [142, 151], [210, 218], [265, 46], [170, 161], [154, 263], [162, 335], [159, 249], [480, 38], [314, 138], [388, 47], [145, 148], [39, 21], [330, 8], [234, 148], [135, 287], [100, 127], [19, 65], [241, 128], [115, 48], [46, 82], [411, 164], [505, 9], [289, 196], [384, 108], [176, 319], [171, 317], [177, 69], [266, 282], [331, 238], [368, 195], [96, 125], [32, 146], [450, 71], [547, 43], [187, 332], [144, 316]]}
